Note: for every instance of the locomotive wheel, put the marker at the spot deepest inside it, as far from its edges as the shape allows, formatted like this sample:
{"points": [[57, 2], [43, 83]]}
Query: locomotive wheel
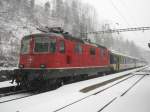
{"points": [[25, 85], [62, 83]]}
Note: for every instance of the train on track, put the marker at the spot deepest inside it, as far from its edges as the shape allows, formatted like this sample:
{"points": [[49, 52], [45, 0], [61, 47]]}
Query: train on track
{"points": [[55, 57]]}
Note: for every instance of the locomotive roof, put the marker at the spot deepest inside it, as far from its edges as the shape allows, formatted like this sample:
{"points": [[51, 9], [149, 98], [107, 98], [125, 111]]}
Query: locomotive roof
{"points": [[41, 35], [65, 36]]}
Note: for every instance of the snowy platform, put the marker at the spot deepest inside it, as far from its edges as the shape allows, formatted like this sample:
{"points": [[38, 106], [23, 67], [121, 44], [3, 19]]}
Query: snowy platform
{"points": [[7, 68], [6, 84], [57, 100], [136, 100]]}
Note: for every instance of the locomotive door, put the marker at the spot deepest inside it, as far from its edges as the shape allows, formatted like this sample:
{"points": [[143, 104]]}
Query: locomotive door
{"points": [[78, 50], [69, 53], [62, 53], [30, 57]]}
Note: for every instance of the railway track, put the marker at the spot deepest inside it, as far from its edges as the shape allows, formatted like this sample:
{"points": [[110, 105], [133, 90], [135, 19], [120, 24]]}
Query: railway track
{"points": [[110, 102], [16, 97], [6, 91], [19, 94], [12, 93], [98, 92]]}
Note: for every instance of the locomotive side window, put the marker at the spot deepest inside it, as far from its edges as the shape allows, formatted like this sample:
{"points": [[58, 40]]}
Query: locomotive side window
{"points": [[92, 51], [62, 47], [102, 52], [78, 48], [25, 46], [41, 44], [52, 45]]}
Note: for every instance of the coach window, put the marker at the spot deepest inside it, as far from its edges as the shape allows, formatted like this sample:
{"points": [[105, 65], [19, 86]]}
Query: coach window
{"points": [[78, 48], [41, 44], [115, 59], [62, 47], [92, 51], [111, 58], [125, 60], [52, 45]]}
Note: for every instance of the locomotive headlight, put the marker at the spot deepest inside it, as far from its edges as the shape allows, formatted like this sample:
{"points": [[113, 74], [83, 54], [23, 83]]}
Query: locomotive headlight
{"points": [[21, 66], [42, 66]]}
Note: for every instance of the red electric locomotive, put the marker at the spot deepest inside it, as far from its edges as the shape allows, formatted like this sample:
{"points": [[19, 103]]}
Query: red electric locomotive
{"points": [[54, 57], [57, 56]]}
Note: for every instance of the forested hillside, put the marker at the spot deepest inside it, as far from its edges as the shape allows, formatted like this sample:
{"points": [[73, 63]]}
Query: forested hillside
{"points": [[22, 17]]}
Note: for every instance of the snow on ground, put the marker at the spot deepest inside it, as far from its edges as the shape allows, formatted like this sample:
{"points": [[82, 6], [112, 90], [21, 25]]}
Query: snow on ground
{"points": [[136, 100], [96, 102], [6, 84], [7, 68], [50, 101]]}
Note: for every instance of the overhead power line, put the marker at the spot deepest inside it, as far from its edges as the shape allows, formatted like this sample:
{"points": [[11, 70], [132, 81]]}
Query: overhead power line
{"points": [[131, 11], [119, 12], [119, 30]]}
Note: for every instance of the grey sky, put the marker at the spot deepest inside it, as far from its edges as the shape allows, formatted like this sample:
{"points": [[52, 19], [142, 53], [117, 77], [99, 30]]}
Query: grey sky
{"points": [[128, 13]]}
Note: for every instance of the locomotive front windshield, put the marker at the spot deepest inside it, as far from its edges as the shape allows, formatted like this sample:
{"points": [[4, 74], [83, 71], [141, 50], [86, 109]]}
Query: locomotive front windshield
{"points": [[44, 44], [25, 46]]}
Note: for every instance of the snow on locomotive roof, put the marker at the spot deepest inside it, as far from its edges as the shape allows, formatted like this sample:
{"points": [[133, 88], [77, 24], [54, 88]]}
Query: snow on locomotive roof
{"points": [[42, 35], [65, 36], [60, 35], [118, 53]]}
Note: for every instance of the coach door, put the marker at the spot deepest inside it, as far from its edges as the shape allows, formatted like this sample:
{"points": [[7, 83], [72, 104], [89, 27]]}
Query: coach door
{"points": [[118, 63]]}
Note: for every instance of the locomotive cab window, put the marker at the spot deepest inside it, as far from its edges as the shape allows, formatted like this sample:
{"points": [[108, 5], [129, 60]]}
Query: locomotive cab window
{"points": [[62, 47], [25, 46], [92, 51], [41, 44], [52, 45]]}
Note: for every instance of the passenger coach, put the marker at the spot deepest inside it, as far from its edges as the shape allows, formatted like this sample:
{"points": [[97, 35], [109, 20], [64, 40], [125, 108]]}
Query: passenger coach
{"points": [[120, 62]]}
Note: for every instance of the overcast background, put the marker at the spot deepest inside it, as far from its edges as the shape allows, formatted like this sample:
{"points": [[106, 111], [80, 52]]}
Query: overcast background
{"points": [[123, 14], [22, 17]]}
